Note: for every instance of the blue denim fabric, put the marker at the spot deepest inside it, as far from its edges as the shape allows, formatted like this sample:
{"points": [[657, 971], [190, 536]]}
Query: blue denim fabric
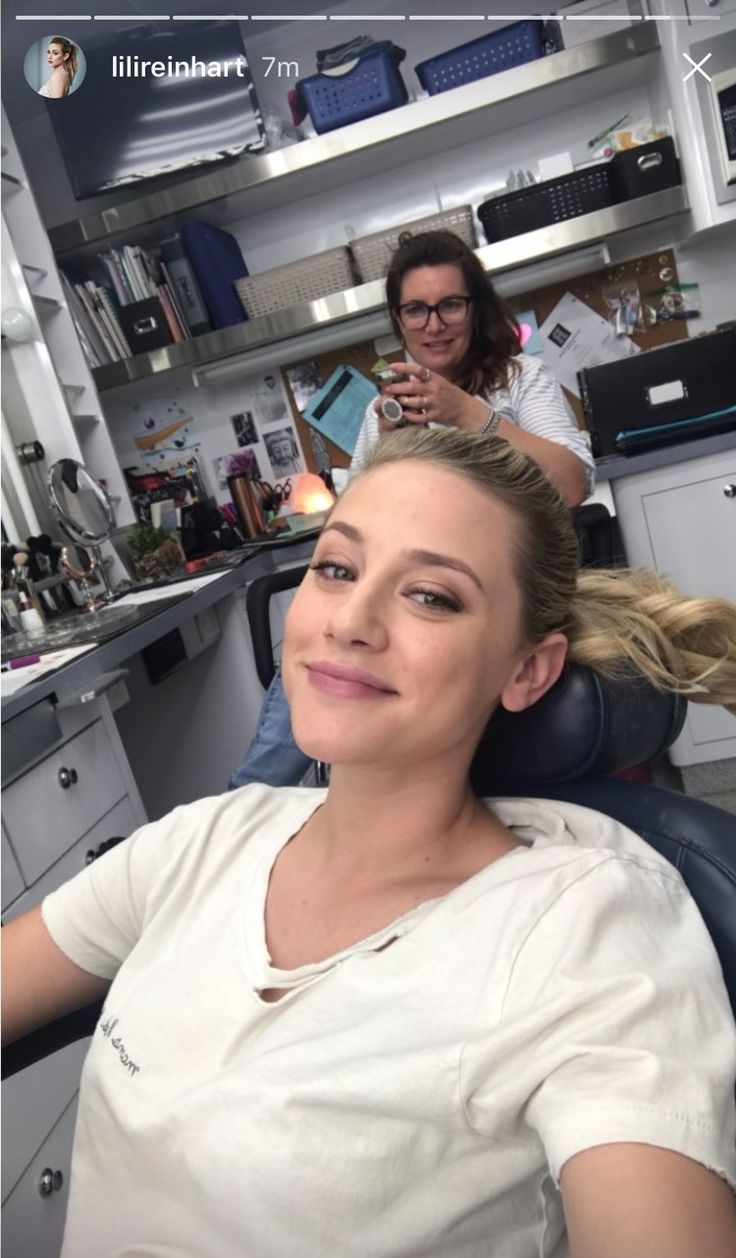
{"points": [[273, 757]]}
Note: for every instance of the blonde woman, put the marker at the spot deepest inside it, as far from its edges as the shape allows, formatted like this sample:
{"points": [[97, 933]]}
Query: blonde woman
{"points": [[389, 1018], [62, 58]]}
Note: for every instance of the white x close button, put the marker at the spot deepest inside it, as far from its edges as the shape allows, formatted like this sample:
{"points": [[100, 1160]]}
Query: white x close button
{"points": [[696, 67]]}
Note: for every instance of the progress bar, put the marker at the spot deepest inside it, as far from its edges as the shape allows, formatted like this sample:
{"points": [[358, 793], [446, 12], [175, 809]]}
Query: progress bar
{"points": [[331, 17]]}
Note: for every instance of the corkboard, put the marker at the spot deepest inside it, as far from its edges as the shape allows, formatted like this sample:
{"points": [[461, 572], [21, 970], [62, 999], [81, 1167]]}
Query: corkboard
{"points": [[646, 272]]}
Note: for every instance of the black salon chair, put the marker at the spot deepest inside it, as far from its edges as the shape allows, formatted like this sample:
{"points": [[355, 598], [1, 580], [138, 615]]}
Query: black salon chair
{"points": [[564, 747]]}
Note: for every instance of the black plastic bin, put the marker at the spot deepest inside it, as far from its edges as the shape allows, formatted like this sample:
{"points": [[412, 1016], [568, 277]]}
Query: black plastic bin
{"points": [[648, 168], [546, 203]]}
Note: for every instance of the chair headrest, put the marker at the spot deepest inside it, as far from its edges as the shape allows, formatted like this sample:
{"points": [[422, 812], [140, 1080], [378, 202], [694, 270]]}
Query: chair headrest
{"points": [[584, 724]]}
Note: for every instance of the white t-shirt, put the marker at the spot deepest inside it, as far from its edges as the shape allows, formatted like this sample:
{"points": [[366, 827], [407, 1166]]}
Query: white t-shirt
{"points": [[533, 401], [413, 1102]]}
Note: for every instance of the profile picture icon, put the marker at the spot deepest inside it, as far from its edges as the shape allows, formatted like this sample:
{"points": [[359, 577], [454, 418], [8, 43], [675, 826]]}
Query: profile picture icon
{"points": [[54, 67]]}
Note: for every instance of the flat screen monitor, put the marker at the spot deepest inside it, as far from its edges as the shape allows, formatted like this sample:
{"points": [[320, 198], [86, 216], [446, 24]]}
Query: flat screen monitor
{"points": [[154, 103]]}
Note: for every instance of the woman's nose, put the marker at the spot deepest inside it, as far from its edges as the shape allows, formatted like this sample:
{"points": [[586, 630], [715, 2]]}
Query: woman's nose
{"points": [[356, 618], [434, 323]]}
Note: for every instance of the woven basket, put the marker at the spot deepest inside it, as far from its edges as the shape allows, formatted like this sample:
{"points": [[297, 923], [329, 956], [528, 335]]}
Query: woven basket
{"points": [[373, 253], [296, 282]]}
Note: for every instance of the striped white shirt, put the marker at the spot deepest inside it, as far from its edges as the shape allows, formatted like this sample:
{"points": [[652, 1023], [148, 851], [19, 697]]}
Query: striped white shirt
{"points": [[533, 400]]}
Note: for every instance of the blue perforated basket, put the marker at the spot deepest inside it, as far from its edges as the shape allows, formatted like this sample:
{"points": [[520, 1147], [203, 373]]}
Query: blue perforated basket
{"points": [[513, 45], [374, 86]]}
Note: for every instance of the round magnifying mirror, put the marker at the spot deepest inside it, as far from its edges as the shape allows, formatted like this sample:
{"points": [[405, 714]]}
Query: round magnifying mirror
{"points": [[82, 507]]}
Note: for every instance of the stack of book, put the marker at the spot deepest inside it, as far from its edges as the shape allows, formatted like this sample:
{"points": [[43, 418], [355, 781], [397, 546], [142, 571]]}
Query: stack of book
{"points": [[105, 314], [136, 275]]}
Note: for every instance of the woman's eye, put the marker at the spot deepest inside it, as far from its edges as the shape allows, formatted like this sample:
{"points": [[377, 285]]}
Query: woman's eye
{"points": [[331, 570], [435, 600]]}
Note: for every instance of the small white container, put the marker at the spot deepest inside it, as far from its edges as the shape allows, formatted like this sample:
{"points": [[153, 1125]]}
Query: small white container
{"points": [[31, 620]]}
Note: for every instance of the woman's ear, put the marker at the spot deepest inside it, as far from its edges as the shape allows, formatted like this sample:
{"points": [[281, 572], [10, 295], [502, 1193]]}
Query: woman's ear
{"points": [[535, 674]]}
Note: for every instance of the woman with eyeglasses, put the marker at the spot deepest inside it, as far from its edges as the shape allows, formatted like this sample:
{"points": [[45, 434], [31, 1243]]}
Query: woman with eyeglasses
{"points": [[464, 365]]}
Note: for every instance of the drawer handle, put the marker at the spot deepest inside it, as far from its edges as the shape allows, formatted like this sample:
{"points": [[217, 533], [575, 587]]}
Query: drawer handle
{"points": [[729, 491], [50, 1181], [648, 161], [67, 778], [95, 852]]}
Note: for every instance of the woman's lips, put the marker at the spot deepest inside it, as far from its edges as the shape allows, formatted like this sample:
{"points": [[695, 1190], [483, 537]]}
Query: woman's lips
{"points": [[346, 683]]}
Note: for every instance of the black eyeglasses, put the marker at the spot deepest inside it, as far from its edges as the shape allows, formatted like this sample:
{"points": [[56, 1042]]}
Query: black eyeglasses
{"points": [[415, 315]]}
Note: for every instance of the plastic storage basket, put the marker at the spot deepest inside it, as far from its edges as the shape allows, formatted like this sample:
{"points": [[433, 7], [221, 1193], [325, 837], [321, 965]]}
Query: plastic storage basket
{"points": [[546, 203], [296, 282], [374, 86], [373, 253], [648, 168], [513, 45]]}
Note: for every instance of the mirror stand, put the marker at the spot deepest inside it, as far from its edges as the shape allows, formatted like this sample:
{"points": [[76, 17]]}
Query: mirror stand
{"points": [[84, 511], [93, 602]]}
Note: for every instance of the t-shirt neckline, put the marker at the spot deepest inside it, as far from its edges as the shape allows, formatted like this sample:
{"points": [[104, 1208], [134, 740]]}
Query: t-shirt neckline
{"points": [[264, 976]]}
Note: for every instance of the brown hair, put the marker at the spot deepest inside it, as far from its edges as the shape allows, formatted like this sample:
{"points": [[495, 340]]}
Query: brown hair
{"points": [[615, 620], [494, 341], [70, 52]]}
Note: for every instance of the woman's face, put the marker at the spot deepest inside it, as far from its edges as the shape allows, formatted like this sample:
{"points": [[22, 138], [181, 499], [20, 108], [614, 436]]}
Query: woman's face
{"points": [[56, 56], [406, 631], [439, 347]]}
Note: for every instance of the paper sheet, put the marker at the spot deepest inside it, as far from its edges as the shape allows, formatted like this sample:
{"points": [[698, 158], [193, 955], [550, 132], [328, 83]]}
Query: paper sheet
{"points": [[575, 336], [166, 591], [337, 410], [18, 677]]}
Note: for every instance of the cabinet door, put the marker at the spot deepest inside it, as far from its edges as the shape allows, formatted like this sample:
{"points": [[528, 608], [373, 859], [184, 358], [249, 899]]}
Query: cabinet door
{"points": [[32, 1222], [693, 534], [692, 530]]}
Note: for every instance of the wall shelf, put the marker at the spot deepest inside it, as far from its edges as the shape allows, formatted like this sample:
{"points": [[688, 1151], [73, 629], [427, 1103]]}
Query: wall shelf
{"points": [[341, 311], [573, 76]]}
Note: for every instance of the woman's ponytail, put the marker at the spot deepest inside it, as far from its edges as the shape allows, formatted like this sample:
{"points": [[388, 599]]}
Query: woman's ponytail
{"points": [[627, 618]]}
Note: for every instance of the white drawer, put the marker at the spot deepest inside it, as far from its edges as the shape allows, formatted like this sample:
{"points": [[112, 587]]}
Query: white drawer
{"points": [[42, 818], [33, 1101], [12, 882], [120, 820], [33, 1225]]}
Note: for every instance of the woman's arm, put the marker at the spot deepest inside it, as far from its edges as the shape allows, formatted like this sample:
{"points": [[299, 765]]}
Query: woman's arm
{"points": [[637, 1199], [40, 983], [560, 465], [538, 400]]}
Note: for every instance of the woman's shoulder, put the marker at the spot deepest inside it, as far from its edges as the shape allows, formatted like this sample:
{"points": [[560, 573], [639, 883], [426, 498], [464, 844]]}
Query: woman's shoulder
{"points": [[581, 836], [223, 827], [528, 370]]}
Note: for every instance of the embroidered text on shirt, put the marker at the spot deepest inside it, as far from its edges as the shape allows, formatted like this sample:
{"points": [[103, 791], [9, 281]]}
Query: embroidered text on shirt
{"points": [[107, 1029]]}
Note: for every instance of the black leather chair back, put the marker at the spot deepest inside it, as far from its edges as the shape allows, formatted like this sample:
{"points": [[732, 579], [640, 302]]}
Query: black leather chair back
{"points": [[586, 728]]}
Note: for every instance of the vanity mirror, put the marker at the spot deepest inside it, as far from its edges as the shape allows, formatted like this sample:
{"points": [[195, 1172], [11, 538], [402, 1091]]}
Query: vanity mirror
{"points": [[85, 513]]}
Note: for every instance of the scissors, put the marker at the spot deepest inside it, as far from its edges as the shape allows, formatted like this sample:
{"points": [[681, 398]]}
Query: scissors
{"points": [[273, 496]]}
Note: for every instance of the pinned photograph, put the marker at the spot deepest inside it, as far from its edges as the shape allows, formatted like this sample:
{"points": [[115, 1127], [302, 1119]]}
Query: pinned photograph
{"points": [[241, 463], [267, 398], [304, 380], [283, 451], [244, 427]]}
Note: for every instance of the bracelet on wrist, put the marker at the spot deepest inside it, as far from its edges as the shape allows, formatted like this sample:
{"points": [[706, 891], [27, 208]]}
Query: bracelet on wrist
{"points": [[491, 422]]}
